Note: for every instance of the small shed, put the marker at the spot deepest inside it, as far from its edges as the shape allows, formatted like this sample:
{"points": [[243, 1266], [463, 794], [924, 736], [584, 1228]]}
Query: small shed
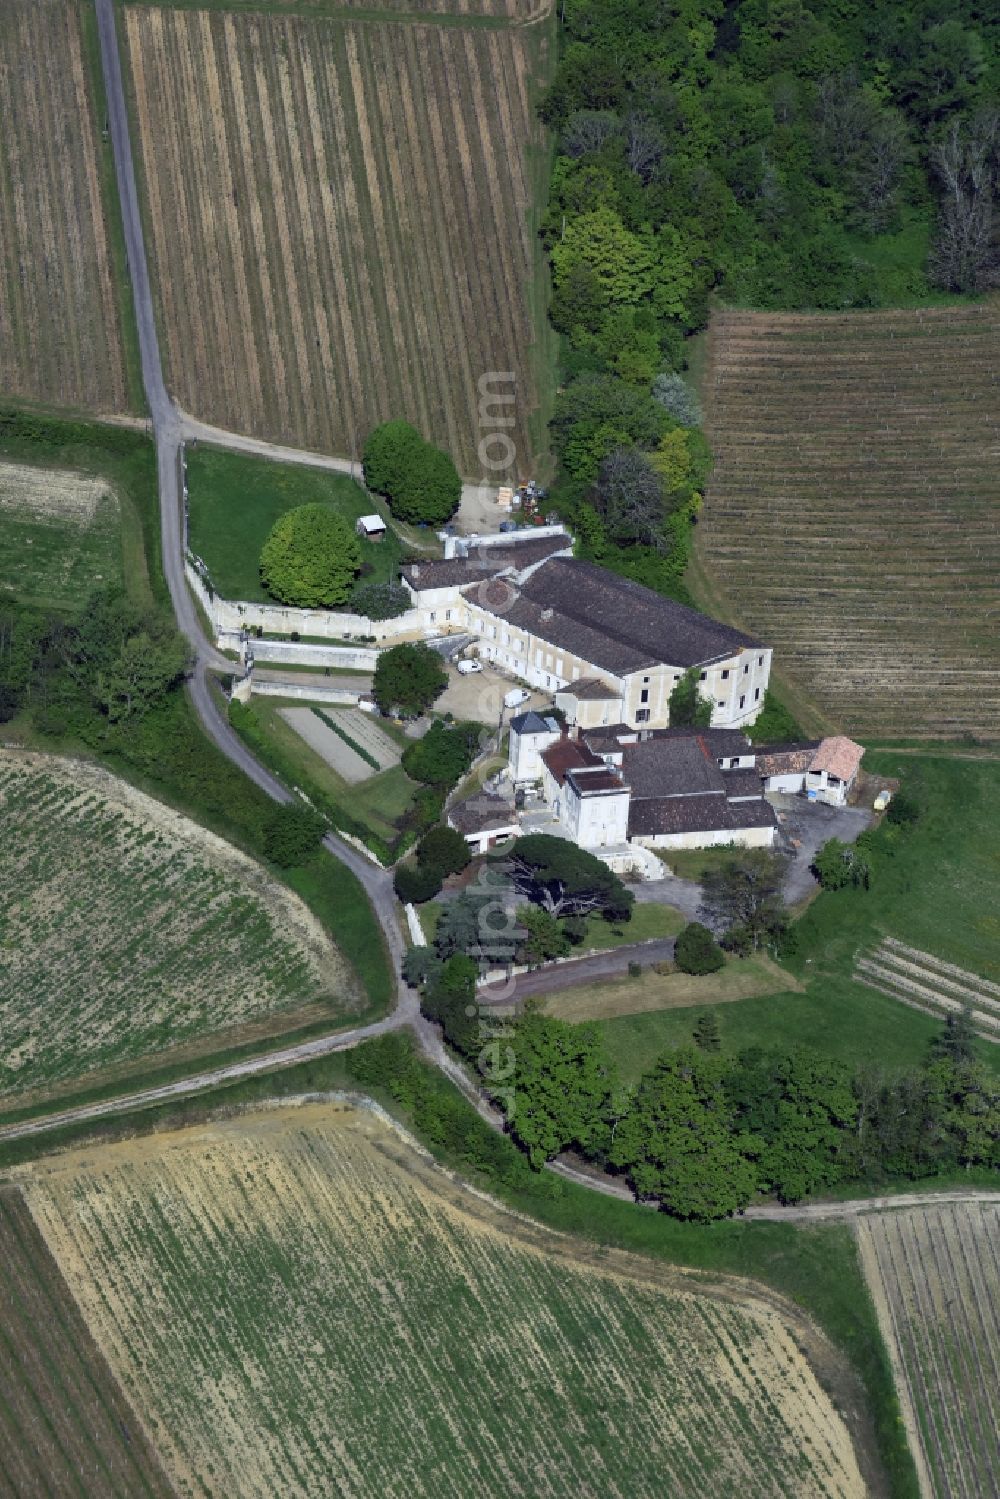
{"points": [[370, 527]]}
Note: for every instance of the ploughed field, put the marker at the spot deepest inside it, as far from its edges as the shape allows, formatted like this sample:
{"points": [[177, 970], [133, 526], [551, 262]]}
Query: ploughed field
{"points": [[933, 1273], [852, 518], [338, 217], [60, 334], [128, 934], [300, 1303], [65, 1424]]}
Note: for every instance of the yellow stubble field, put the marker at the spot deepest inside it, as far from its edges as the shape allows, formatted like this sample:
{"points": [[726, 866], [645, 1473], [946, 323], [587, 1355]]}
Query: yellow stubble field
{"points": [[301, 1303]]}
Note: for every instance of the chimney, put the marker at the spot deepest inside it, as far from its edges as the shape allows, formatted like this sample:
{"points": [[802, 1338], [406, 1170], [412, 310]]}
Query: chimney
{"points": [[546, 614]]}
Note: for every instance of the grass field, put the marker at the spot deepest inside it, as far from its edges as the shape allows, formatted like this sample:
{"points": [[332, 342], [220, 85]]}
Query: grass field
{"points": [[278, 1289], [235, 499], [61, 536], [340, 218], [932, 1272], [60, 325], [131, 934], [65, 1425], [935, 893], [852, 517], [742, 978]]}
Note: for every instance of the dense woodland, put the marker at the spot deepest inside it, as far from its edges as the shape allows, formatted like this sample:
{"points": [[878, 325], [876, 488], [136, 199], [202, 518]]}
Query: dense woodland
{"points": [[765, 152]]}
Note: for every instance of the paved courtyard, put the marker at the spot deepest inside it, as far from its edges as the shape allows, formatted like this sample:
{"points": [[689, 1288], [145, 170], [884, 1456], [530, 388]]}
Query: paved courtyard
{"points": [[803, 828], [479, 696]]}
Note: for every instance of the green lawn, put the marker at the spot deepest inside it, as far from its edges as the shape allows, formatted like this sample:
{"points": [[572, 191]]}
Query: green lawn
{"points": [[647, 921], [235, 499], [694, 863]]}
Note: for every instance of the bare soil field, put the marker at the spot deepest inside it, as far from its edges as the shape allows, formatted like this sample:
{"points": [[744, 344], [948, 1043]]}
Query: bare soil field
{"points": [[129, 933], [60, 332], [934, 1274], [60, 536], [742, 978], [853, 519], [339, 218], [65, 1425], [301, 1303]]}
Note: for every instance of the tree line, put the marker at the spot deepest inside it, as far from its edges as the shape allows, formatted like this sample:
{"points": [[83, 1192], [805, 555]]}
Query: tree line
{"points": [[760, 152]]}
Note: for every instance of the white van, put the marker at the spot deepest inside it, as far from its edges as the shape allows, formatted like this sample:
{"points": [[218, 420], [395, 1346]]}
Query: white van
{"points": [[468, 667], [516, 697]]}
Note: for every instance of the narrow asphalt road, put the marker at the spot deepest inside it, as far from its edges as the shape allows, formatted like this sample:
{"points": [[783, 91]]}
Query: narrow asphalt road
{"points": [[574, 971], [168, 428]]}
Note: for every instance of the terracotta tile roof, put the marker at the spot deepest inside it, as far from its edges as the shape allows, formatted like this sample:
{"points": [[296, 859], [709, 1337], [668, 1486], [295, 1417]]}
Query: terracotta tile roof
{"points": [[569, 754], [792, 759], [838, 756]]}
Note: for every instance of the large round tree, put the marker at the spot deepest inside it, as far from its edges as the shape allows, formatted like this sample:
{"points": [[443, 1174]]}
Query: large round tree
{"points": [[420, 482], [311, 558]]}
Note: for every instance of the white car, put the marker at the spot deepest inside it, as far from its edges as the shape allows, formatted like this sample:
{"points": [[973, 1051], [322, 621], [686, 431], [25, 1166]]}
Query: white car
{"points": [[516, 697], [468, 667]]}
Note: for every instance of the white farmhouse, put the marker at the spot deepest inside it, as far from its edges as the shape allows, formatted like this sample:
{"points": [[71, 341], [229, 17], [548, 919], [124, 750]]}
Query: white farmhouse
{"points": [[610, 650]]}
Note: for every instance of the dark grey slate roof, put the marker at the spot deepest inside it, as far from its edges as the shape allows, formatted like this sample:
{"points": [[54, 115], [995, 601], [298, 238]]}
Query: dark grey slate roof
{"points": [[670, 767], [615, 623], [531, 723], [722, 743], [482, 562], [482, 813], [742, 782], [697, 814]]}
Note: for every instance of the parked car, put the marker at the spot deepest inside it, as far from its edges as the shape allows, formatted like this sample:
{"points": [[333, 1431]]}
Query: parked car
{"points": [[469, 666], [516, 697]]}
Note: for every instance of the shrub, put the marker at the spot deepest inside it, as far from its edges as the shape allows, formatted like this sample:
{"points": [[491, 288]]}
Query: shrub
{"points": [[442, 756], [676, 396], [774, 724], [380, 600], [696, 950], [10, 701], [443, 849], [311, 558], [416, 882], [291, 834], [904, 808]]}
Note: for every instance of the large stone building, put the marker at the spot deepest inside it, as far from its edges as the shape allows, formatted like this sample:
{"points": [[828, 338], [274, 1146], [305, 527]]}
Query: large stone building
{"points": [[609, 649]]}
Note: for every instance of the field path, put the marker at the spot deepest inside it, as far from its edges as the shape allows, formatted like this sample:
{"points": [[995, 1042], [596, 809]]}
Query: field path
{"points": [[819, 1211]]}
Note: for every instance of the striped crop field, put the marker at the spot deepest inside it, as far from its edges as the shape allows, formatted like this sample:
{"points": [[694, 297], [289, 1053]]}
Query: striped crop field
{"points": [[339, 217], [301, 1303], [65, 1425], [924, 982], [853, 517], [128, 933], [933, 1273], [60, 332]]}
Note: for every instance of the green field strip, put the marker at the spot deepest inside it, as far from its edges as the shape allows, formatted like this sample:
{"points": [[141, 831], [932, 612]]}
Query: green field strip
{"points": [[328, 10]]}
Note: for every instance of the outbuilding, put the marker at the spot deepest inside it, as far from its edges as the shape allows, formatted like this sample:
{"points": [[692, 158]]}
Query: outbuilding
{"points": [[370, 527]]}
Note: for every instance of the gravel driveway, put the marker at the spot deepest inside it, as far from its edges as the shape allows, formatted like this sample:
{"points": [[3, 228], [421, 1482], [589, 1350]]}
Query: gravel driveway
{"points": [[803, 828]]}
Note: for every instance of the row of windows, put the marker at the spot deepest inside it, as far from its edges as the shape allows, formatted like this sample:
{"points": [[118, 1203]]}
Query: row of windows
{"points": [[743, 698]]}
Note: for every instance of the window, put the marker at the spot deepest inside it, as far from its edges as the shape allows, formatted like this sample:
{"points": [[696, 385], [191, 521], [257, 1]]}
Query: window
{"points": [[734, 762], [576, 673], [701, 678], [538, 659], [756, 694], [743, 701], [644, 695], [548, 658], [722, 702], [447, 614], [760, 660], [725, 675], [559, 666], [506, 637], [645, 679], [433, 616], [746, 668], [642, 715]]}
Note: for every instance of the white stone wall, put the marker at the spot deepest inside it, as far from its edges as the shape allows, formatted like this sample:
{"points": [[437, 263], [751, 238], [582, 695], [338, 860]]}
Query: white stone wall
{"points": [[524, 755], [228, 616], [744, 838], [310, 692], [596, 821]]}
